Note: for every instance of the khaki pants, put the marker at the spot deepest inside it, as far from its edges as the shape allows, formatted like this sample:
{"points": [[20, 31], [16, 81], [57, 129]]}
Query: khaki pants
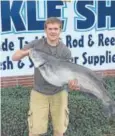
{"points": [[41, 104]]}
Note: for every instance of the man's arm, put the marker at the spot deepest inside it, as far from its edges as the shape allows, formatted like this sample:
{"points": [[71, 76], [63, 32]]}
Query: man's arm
{"points": [[73, 84], [19, 54]]}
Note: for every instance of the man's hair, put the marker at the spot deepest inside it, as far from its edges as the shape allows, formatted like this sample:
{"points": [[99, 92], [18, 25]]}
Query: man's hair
{"points": [[53, 20]]}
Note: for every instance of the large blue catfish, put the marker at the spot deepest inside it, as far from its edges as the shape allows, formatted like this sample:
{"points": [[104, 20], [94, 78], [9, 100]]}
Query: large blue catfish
{"points": [[58, 72]]}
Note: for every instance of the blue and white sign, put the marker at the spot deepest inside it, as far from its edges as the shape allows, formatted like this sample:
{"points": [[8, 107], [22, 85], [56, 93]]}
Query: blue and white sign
{"points": [[88, 30]]}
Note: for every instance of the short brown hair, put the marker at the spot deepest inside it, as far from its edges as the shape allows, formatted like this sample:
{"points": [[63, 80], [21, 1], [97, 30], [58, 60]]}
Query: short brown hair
{"points": [[53, 20]]}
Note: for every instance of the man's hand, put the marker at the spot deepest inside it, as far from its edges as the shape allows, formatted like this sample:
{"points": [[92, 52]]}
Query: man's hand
{"points": [[73, 85], [19, 54]]}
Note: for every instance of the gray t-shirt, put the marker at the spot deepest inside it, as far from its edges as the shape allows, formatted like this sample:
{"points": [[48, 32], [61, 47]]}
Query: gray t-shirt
{"points": [[60, 51]]}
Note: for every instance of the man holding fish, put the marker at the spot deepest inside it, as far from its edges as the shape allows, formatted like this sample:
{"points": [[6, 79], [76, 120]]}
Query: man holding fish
{"points": [[46, 98]]}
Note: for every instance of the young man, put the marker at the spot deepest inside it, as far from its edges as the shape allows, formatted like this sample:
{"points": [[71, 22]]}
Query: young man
{"points": [[45, 97]]}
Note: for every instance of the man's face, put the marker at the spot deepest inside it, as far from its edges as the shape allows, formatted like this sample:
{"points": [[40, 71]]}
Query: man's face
{"points": [[53, 31]]}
